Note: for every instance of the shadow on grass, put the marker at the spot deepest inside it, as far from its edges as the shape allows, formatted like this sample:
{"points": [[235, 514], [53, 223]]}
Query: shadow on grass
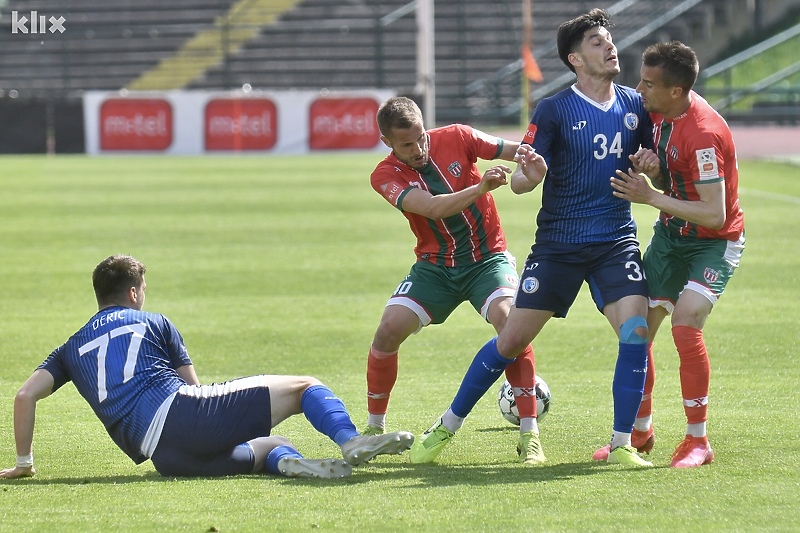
{"points": [[498, 429], [436, 475], [108, 480], [406, 474]]}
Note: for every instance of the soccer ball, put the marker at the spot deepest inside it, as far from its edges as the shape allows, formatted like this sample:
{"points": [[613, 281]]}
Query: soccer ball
{"points": [[508, 405]]}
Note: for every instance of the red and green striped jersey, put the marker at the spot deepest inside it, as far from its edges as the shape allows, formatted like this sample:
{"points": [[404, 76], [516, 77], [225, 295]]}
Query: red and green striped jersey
{"points": [[468, 236], [695, 148]]}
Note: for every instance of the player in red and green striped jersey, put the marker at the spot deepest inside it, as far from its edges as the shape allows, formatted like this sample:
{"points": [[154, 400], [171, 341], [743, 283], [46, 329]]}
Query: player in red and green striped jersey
{"points": [[432, 178], [698, 239]]}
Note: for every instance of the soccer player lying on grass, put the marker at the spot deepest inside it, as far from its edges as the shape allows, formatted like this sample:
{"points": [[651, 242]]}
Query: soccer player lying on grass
{"points": [[133, 369]]}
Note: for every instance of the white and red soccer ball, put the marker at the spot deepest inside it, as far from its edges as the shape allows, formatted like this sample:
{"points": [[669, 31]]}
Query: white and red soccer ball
{"points": [[508, 404]]}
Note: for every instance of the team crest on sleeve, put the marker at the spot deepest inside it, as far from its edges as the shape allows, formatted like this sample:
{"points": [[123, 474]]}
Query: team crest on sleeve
{"points": [[631, 121], [707, 163], [530, 133], [454, 168]]}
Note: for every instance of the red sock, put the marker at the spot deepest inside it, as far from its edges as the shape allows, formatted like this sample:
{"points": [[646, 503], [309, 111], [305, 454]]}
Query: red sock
{"points": [[520, 375], [695, 371], [646, 407], [381, 376]]}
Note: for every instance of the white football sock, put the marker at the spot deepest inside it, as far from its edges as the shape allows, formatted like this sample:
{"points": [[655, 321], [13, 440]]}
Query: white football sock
{"points": [[696, 430], [620, 439], [644, 423], [528, 424], [451, 421], [379, 421]]}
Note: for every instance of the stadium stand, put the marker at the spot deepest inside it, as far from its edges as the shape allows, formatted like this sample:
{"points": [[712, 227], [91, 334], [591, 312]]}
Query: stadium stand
{"points": [[222, 44], [339, 44], [105, 45], [474, 41]]}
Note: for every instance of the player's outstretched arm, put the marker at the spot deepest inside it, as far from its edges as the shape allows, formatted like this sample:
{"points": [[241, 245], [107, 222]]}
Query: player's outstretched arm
{"points": [[708, 210], [38, 386], [441, 206], [509, 150]]}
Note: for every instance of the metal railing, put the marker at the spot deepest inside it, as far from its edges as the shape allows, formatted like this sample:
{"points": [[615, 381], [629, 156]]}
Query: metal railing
{"points": [[381, 25], [511, 72], [775, 103]]}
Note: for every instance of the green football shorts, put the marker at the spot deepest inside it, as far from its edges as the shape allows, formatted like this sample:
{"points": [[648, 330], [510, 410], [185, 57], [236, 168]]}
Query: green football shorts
{"points": [[673, 264], [433, 292]]}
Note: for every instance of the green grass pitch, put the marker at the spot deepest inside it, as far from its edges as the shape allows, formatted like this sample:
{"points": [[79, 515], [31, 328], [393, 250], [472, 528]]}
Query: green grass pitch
{"points": [[283, 265]]}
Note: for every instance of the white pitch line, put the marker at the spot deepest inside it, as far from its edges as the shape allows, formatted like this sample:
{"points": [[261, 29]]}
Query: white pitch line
{"points": [[771, 196]]}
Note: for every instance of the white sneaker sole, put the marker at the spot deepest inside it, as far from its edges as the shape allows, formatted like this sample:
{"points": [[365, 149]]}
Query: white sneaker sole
{"points": [[365, 448], [320, 468]]}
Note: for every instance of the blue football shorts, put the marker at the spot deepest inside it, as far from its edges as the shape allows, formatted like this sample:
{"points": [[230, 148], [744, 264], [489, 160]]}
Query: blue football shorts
{"points": [[554, 273], [207, 428]]}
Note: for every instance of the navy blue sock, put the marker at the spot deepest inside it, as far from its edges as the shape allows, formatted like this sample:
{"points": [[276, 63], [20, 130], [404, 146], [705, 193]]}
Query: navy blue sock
{"points": [[484, 370], [628, 385], [328, 414], [276, 454]]}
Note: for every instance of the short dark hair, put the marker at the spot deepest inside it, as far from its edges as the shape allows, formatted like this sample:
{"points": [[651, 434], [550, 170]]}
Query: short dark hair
{"points": [[678, 63], [114, 276], [570, 33], [398, 112]]}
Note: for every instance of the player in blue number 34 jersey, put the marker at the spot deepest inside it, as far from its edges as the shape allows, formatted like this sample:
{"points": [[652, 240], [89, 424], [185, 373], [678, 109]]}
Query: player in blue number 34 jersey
{"points": [[575, 143], [133, 369]]}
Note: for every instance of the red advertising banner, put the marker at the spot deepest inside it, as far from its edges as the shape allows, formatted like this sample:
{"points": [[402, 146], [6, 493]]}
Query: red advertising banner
{"points": [[135, 124], [214, 122], [343, 123], [240, 124]]}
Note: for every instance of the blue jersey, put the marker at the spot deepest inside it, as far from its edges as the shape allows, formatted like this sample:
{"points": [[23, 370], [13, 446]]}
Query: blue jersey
{"points": [[583, 143], [123, 363]]}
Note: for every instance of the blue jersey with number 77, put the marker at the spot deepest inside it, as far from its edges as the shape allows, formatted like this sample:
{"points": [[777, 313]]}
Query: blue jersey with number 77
{"points": [[584, 143], [123, 363]]}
